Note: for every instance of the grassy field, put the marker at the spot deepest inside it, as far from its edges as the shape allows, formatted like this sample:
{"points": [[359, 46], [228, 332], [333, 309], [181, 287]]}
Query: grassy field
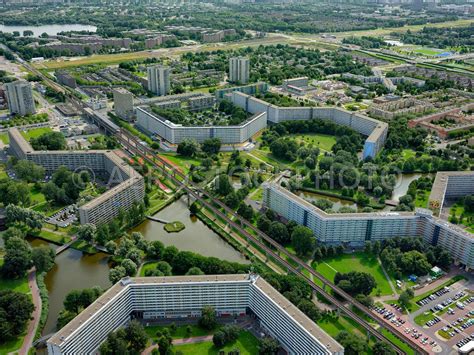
{"points": [[355, 262], [467, 217], [180, 333], [323, 141], [35, 132], [4, 138], [174, 227], [246, 343]]}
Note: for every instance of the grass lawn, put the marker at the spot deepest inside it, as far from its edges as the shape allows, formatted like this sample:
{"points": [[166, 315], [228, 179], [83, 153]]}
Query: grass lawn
{"points": [[408, 153], [258, 195], [334, 326], [246, 343], [84, 247], [35, 132], [322, 141], [458, 211], [151, 265], [4, 138], [182, 162], [56, 238], [355, 262], [180, 333], [422, 199], [20, 285]]}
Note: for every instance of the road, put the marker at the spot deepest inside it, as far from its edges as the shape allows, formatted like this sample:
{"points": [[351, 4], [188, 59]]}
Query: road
{"points": [[35, 317]]}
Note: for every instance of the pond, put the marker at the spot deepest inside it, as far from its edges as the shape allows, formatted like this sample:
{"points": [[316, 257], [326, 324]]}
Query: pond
{"points": [[73, 270], [337, 202], [196, 236], [51, 30], [403, 182]]}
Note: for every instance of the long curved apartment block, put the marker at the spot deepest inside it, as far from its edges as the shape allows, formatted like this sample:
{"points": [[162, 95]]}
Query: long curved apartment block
{"points": [[127, 186], [375, 131], [355, 229], [179, 297]]}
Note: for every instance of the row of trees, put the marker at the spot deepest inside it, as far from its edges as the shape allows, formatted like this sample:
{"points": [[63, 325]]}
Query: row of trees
{"points": [[189, 147]]}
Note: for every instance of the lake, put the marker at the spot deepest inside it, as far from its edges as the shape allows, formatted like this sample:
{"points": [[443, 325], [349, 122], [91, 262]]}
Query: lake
{"points": [[196, 237], [51, 30]]}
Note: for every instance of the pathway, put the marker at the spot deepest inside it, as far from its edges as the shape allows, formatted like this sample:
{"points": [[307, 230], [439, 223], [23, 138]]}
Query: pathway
{"points": [[36, 315], [388, 278], [193, 340]]}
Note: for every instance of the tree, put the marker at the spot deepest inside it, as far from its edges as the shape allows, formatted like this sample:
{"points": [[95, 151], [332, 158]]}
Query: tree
{"points": [[15, 312], [405, 297], [129, 266], [208, 318], [117, 273], [164, 345], [136, 336], [188, 147], [268, 346], [368, 248], [355, 282], [194, 271], [28, 171], [86, 232], [381, 348], [353, 344], [155, 250], [17, 258], [115, 344], [219, 339], [278, 232], [222, 185], [43, 258], [211, 146], [303, 241]]}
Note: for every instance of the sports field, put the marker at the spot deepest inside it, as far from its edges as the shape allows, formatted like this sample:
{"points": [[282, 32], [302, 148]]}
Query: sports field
{"points": [[355, 262]]}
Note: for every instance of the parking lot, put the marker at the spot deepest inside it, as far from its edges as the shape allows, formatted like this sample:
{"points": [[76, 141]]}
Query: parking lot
{"points": [[449, 315], [392, 314], [65, 217]]}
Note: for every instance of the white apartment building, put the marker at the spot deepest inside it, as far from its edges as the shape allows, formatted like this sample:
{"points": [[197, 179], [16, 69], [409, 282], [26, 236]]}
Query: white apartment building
{"points": [[20, 98], [158, 79], [182, 297], [355, 229], [239, 69], [127, 187]]}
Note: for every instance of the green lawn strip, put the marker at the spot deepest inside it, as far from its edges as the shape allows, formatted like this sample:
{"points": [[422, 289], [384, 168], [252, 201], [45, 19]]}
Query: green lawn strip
{"points": [[35, 132], [52, 237], [247, 344], [150, 265], [402, 345], [355, 262], [323, 141], [181, 331], [4, 138], [83, 246], [182, 162]]}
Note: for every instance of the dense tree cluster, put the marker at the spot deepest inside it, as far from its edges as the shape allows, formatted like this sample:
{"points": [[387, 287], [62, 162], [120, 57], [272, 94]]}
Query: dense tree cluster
{"points": [[49, 141], [412, 256], [227, 334], [129, 340], [15, 312], [65, 186]]}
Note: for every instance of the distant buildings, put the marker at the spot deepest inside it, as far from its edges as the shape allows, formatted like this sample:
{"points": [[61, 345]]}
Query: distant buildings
{"points": [[183, 297], [239, 68], [123, 103], [20, 98], [159, 79]]}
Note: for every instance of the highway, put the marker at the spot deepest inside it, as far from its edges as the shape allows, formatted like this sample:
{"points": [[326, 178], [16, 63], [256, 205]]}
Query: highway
{"points": [[274, 251]]}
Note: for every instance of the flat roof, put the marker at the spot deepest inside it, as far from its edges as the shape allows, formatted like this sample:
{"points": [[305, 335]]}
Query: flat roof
{"points": [[440, 184]]}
